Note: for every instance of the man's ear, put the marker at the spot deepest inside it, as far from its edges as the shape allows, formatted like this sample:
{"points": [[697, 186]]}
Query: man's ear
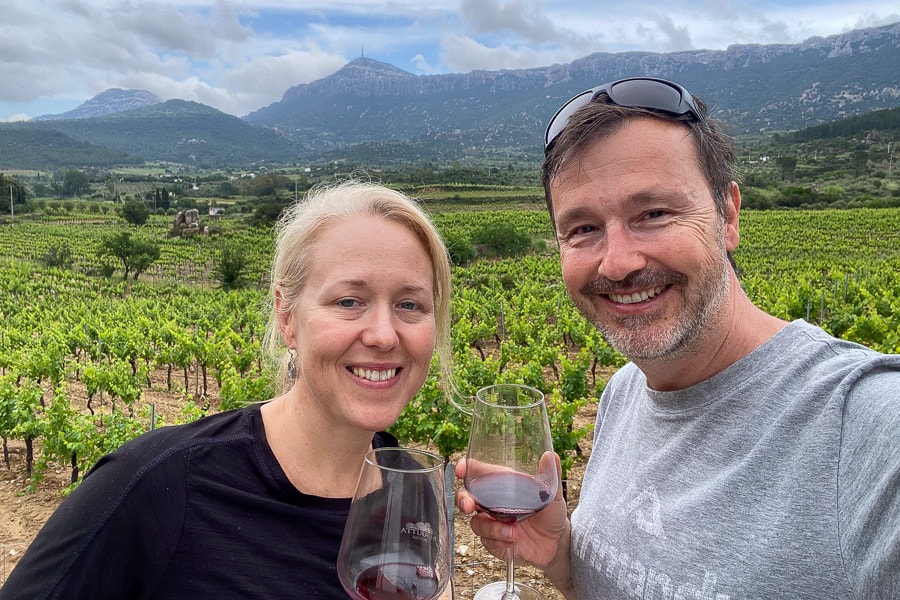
{"points": [[732, 212]]}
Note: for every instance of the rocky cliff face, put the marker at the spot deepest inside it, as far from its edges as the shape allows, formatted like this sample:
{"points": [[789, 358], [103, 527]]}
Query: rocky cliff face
{"points": [[756, 87]]}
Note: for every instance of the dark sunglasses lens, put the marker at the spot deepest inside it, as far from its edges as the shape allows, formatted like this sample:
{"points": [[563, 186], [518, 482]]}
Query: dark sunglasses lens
{"points": [[647, 93], [558, 122], [652, 94]]}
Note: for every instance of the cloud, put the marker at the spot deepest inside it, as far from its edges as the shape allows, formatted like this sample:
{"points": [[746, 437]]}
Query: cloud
{"points": [[520, 17], [264, 80], [422, 65], [677, 38], [527, 22], [463, 54], [514, 34]]}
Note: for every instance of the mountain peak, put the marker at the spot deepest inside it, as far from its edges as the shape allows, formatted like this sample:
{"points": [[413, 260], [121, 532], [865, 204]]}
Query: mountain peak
{"points": [[108, 102], [367, 67], [356, 78]]}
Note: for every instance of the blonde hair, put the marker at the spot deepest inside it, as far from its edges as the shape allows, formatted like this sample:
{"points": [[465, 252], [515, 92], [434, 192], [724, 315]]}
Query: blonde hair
{"points": [[303, 223]]}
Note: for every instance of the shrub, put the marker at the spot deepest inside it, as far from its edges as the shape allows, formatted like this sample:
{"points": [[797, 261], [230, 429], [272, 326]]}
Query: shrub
{"points": [[460, 247], [231, 267], [58, 256], [502, 239]]}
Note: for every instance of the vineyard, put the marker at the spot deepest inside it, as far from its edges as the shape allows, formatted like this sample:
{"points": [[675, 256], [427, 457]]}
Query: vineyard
{"points": [[174, 330]]}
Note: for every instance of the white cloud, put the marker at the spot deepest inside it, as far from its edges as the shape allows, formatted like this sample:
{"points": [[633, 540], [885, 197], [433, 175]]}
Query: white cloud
{"points": [[16, 118], [264, 80], [463, 54]]}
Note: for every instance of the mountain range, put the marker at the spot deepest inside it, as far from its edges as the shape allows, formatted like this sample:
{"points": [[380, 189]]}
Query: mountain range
{"points": [[372, 111]]}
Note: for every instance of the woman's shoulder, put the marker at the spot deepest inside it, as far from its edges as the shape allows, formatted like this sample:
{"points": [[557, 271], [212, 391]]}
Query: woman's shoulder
{"points": [[233, 426]]}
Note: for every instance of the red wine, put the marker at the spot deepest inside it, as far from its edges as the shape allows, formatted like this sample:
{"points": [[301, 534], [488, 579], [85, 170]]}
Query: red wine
{"points": [[509, 497], [397, 581]]}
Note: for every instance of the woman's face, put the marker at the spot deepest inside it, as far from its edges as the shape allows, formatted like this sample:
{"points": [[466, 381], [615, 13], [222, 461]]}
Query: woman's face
{"points": [[364, 325]]}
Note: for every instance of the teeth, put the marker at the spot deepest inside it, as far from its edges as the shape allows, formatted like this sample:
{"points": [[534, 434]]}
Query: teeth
{"points": [[636, 297], [374, 375]]}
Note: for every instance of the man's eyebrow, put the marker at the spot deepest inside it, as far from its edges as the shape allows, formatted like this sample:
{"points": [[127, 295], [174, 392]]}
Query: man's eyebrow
{"points": [[641, 198]]}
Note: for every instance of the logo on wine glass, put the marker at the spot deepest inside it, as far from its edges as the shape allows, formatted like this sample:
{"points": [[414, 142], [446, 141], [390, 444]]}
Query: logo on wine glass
{"points": [[419, 531]]}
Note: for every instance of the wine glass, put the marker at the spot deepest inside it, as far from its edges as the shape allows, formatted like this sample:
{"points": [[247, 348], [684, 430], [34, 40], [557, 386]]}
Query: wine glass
{"points": [[510, 470], [396, 540]]}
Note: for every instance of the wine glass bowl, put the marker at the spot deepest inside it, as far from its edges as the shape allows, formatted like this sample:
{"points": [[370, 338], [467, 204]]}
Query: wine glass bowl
{"points": [[396, 543], [510, 466]]}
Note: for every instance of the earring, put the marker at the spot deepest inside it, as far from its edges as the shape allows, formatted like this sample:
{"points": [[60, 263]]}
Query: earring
{"points": [[292, 367]]}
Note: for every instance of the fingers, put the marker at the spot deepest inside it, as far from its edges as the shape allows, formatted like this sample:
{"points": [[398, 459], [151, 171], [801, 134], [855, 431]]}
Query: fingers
{"points": [[460, 469], [464, 501], [550, 472]]}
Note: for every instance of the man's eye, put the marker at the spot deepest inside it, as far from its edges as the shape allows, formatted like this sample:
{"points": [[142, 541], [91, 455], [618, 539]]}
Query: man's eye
{"points": [[583, 229]]}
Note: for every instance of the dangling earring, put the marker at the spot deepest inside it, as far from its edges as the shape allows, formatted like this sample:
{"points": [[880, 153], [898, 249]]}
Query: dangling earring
{"points": [[292, 367]]}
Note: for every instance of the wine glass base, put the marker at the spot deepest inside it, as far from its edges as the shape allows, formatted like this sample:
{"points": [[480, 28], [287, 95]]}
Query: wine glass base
{"points": [[496, 591]]}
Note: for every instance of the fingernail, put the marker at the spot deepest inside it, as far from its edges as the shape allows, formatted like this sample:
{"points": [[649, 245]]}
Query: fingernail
{"points": [[506, 531]]}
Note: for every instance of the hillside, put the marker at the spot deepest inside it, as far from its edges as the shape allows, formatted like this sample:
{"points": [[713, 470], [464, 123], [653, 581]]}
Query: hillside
{"points": [[23, 146], [180, 132]]}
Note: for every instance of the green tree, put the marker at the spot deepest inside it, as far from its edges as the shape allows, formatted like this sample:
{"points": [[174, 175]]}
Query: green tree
{"points": [[860, 162], [788, 166], [135, 212], [59, 256], [267, 184], [227, 189], [75, 183], [231, 268], [136, 255], [11, 188], [459, 246], [502, 239]]}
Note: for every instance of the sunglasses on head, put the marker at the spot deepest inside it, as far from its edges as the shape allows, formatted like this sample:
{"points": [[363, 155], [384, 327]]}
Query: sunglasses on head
{"points": [[649, 93]]}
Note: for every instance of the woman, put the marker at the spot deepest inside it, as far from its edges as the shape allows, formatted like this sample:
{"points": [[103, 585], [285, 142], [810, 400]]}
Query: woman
{"points": [[252, 503]]}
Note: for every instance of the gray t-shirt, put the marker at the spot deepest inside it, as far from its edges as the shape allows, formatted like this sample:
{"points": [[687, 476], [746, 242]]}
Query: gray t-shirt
{"points": [[776, 478]]}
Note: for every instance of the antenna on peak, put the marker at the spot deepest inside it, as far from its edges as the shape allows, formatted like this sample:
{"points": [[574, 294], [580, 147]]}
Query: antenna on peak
{"points": [[362, 51]]}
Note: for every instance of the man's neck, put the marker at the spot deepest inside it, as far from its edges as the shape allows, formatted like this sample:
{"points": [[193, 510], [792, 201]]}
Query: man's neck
{"points": [[739, 331]]}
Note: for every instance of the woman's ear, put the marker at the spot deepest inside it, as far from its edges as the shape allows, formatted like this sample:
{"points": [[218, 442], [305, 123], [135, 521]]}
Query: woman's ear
{"points": [[285, 319]]}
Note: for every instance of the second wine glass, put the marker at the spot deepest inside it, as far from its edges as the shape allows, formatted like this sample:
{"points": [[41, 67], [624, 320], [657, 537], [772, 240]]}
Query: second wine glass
{"points": [[396, 540], [510, 468]]}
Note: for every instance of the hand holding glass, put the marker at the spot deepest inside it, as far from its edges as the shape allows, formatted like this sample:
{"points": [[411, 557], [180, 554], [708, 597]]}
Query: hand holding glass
{"points": [[510, 467], [396, 541]]}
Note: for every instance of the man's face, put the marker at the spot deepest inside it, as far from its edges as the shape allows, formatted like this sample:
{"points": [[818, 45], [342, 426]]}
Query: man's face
{"points": [[642, 246]]}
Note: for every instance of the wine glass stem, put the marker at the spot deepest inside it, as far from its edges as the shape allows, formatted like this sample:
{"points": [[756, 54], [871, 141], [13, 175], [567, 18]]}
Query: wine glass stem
{"points": [[510, 593]]}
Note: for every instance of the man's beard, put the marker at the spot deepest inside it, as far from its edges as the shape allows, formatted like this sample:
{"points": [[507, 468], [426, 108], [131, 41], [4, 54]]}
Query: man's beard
{"points": [[653, 335]]}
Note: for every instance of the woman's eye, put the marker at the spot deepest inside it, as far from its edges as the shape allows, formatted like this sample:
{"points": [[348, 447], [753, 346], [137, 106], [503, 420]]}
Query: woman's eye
{"points": [[408, 305], [347, 302]]}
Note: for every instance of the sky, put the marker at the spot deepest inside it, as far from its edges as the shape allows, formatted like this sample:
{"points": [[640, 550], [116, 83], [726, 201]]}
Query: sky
{"points": [[238, 56]]}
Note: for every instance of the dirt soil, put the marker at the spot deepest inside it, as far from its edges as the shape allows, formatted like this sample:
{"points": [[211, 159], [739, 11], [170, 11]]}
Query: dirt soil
{"points": [[23, 513]]}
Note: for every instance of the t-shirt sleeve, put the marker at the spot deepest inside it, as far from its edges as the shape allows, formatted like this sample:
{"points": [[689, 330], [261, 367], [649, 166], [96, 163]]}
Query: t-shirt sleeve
{"points": [[869, 483], [111, 538]]}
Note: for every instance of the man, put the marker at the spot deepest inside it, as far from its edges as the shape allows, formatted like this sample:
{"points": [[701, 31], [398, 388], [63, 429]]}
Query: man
{"points": [[736, 455]]}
